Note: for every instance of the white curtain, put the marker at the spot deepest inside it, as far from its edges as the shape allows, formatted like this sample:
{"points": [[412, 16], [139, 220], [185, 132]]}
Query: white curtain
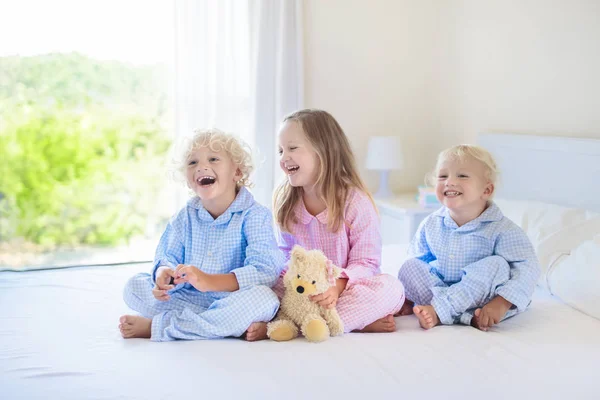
{"points": [[238, 67]]}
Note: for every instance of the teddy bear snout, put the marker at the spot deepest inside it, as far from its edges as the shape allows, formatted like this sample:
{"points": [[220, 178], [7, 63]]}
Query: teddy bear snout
{"points": [[300, 289]]}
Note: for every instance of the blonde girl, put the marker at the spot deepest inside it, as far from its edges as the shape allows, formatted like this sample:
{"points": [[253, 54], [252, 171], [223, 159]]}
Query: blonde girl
{"points": [[324, 204]]}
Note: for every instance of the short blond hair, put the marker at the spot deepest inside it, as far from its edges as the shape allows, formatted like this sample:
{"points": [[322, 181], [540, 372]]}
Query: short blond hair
{"points": [[460, 153], [216, 140]]}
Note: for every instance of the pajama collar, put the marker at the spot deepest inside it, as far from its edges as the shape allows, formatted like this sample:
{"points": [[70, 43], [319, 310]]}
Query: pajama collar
{"points": [[490, 214], [243, 201], [304, 217]]}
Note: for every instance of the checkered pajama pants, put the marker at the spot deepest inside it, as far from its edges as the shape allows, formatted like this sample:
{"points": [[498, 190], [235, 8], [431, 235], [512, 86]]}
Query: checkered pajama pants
{"points": [[455, 302], [190, 314], [365, 300]]}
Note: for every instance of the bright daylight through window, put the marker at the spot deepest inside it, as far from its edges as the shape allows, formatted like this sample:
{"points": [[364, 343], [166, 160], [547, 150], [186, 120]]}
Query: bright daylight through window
{"points": [[85, 128]]}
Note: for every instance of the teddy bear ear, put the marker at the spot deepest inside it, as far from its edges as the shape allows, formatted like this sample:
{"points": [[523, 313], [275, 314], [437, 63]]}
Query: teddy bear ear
{"points": [[336, 272], [298, 253], [333, 272]]}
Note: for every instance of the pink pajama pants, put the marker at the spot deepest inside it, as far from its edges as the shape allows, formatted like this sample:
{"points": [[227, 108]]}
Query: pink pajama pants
{"points": [[365, 300]]}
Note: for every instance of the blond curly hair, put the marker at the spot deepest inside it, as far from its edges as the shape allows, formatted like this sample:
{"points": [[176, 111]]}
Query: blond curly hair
{"points": [[216, 140]]}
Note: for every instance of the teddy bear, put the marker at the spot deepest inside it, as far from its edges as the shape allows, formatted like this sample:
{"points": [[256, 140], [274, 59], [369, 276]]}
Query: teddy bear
{"points": [[309, 273]]}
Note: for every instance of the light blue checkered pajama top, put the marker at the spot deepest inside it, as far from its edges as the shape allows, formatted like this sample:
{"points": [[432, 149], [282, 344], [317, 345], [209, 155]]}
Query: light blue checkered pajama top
{"points": [[491, 251], [240, 241]]}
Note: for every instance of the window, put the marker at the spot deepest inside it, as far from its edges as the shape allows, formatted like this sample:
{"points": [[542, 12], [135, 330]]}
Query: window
{"points": [[85, 127]]}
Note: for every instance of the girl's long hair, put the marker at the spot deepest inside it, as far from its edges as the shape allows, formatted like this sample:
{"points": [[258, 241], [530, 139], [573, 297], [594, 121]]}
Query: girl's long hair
{"points": [[337, 170]]}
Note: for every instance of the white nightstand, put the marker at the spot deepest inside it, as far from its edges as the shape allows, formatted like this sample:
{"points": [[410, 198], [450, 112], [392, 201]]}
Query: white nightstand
{"points": [[400, 218]]}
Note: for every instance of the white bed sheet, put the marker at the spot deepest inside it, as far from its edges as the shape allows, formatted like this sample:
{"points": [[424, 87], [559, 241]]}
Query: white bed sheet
{"points": [[59, 340]]}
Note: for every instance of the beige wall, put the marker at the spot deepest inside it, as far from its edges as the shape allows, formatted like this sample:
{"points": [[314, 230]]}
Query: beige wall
{"points": [[523, 66], [438, 72], [370, 63]]}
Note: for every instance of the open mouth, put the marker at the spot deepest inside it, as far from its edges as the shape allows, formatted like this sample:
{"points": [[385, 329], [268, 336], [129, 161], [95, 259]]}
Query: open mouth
{"points": [[206, 180], [452, 193], [292, 169]]}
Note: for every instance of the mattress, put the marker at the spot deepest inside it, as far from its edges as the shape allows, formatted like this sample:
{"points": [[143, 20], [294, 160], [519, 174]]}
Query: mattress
{"points": [[59, 340]]}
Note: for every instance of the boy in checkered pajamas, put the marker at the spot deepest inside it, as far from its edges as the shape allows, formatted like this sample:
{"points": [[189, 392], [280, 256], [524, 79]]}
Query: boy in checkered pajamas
{"points": [[217, 258], [469, 264]]}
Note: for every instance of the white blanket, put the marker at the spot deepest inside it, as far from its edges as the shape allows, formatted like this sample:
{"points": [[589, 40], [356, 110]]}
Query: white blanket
{"points": [[59, 340]]}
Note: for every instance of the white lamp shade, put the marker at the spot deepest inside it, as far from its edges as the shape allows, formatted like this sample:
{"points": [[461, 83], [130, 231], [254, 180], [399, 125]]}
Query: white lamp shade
{"points": [[384, 153]]}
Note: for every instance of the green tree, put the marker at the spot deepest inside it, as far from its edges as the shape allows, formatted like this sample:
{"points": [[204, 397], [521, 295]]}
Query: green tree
{"points": [[76, 135]]}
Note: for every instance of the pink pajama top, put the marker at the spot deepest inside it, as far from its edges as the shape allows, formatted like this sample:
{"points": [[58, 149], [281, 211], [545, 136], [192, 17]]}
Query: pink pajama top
{"points": [[356, 247]]}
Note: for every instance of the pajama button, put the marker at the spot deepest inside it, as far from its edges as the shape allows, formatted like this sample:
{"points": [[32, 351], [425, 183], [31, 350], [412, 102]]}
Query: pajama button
{"points": [[210, 253], [451, 256]]}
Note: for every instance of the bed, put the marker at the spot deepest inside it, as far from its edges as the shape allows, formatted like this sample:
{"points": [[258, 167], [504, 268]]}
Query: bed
{"points": [[59, 336]]}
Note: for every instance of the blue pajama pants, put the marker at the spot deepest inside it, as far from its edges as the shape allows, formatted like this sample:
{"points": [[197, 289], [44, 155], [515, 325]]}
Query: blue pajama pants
{"points": [[190, 314], [455, 302]]}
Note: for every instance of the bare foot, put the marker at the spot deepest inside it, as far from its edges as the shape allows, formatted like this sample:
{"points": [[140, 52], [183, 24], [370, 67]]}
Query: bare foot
{"points": [[385, 324], [490, 314], [428, 318], [133, 326], [407, 309], [256, 331]]}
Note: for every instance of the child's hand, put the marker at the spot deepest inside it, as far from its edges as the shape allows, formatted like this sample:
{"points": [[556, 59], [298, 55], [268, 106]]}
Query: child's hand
{"points": [[329, 298], [163, 283], [492, 313], [192, 275]]}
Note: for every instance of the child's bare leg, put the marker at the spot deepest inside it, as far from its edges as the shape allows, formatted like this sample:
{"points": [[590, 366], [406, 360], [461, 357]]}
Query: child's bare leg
{"points": [[427, 316], [256, 331], [385, 324], [490, 314], [133, 326], [407, 309]]}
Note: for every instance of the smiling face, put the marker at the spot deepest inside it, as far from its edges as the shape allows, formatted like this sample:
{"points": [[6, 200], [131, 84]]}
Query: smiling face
{"points": [[463, 185], [297, 157], [212, 175]]}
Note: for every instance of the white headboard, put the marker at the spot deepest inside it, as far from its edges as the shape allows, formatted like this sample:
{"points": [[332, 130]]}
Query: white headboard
{"points": [[557, 170]]}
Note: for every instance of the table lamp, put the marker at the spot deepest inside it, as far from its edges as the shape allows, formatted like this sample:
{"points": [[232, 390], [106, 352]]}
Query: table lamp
{"points": [[384, 155]]}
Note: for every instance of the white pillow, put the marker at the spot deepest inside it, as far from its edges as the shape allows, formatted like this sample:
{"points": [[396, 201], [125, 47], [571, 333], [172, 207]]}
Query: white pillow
{"points": [[575, 279], [553, 230]]}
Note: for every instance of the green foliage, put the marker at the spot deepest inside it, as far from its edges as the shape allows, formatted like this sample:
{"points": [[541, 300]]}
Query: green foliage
{"points": [[81, 144]]}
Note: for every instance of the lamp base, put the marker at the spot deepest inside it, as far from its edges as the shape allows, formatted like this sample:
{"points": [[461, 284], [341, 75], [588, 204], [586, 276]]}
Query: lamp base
{"points": [[384, 191]]}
